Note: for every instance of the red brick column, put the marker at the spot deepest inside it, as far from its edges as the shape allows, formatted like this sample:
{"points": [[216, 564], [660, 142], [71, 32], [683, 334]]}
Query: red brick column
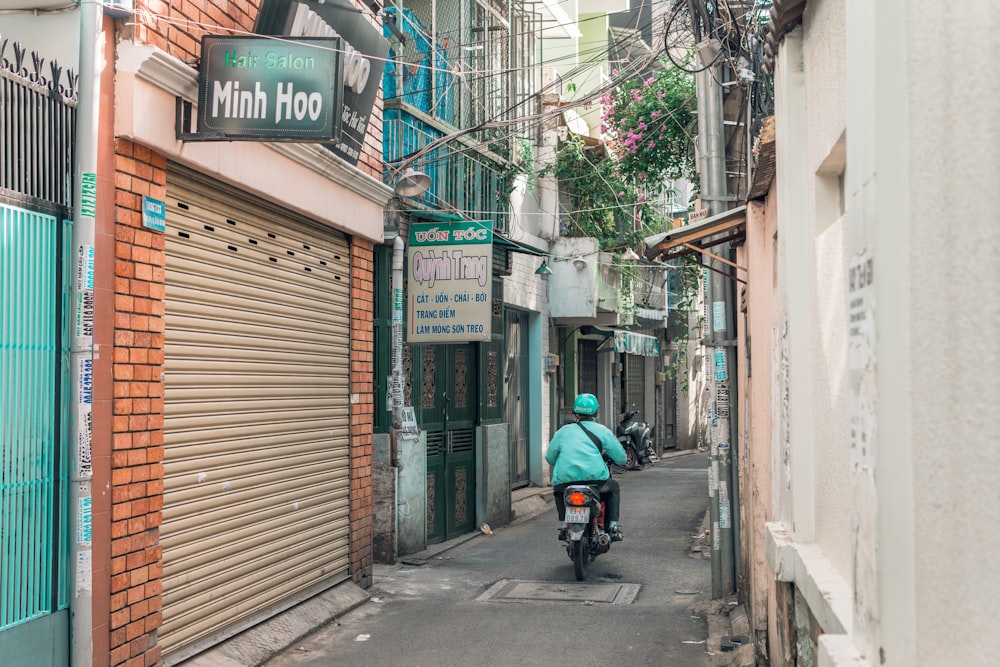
{"points": [[362, 410], [137, 414]]}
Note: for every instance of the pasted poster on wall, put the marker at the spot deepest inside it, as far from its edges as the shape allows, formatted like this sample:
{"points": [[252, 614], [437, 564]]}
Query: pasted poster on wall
{"points": [[449, 277], [862, 368]]}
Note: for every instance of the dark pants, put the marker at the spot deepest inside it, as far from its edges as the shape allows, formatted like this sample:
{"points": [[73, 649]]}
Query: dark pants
{"points": [[610, 494]]}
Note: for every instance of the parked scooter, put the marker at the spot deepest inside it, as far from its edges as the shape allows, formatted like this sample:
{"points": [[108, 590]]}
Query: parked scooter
{"points": [[636, 441], [585, 534]]}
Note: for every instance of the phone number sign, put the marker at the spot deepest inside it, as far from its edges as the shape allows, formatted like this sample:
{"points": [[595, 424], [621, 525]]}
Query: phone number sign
{"points": [[449, 279]]}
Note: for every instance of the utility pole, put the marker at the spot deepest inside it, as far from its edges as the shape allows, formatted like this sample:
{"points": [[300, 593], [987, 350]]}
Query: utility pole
{"points": [[82, 331], [719, 326]]}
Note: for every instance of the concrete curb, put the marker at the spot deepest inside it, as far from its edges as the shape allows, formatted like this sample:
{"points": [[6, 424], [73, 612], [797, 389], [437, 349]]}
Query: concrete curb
{"points": [[258, 644], [530, 502]]}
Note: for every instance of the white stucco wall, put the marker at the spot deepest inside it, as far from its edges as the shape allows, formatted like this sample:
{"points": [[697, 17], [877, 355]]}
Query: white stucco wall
{"points": [[35, 32], [526, 290], [886, 491], [810, 454], [951, 276], [825, 65]]}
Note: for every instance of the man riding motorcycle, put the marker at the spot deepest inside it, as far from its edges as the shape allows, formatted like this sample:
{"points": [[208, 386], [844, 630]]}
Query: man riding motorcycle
{"points": [[576, 454]]}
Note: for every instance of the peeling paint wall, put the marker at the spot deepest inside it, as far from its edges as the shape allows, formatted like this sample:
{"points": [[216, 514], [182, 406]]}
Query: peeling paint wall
{"points": [[411, 494], [755, 357]]}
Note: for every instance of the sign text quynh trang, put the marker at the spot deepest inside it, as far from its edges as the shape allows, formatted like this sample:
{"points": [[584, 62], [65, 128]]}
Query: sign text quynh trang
{"points": [[450, 282], [270, 89]]}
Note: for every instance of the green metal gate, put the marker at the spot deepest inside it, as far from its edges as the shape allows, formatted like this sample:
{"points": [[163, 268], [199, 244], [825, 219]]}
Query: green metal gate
{"points": [[34, 544], [447, 411]]}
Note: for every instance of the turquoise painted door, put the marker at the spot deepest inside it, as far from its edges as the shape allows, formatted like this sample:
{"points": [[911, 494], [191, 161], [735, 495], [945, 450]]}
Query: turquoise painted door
{"points": [[34, 543]]}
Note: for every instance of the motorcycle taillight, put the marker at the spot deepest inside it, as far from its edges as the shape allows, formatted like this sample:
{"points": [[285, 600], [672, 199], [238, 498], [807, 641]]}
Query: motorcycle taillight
{"points": [[577, 498]]}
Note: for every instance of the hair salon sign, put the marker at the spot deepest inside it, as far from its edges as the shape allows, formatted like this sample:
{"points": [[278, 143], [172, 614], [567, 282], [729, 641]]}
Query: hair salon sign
{"points": [[273, 90], [450, 280]]}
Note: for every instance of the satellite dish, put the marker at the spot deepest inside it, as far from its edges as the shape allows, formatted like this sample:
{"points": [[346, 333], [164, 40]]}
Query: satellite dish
{"points": [[412, 183]]}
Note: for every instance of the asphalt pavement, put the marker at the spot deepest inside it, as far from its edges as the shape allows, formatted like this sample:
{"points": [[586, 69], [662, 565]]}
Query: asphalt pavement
{"points": [[511, 598]]}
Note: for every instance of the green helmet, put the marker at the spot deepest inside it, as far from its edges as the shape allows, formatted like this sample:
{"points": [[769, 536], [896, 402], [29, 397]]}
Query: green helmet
{"points": [[585, 404]]}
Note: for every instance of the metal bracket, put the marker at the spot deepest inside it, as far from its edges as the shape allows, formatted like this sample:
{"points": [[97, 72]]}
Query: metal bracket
{"points": [[184, 120], [722, 198], [715, 257], [702, 263]]}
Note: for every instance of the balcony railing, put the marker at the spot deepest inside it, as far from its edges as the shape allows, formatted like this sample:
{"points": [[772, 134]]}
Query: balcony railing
{"points": [[463, 179]]}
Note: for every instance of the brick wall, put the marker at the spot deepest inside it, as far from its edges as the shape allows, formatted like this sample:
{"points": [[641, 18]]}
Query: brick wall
{"points": [[137, 412], [362, 409], [136, 559]]}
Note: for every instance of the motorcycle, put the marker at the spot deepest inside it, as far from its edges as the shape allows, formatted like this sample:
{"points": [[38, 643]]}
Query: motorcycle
{"points": [[585, 535], [635, 439]]}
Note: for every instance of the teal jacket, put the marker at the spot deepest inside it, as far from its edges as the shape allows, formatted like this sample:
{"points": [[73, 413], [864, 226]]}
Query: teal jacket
{"points": [[574, 458]]}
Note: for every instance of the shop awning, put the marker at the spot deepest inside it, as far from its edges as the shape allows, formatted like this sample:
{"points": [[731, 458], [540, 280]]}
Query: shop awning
{"points": [[727, 227], [519, 246], [636, 343]]}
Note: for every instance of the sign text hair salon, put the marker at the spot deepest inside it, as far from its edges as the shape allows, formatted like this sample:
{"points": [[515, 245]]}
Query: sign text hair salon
{"points": [[258, 88]]}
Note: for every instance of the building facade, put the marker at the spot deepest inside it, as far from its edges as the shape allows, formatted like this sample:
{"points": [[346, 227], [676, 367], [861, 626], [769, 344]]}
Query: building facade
{"points": [[864, 408], [229, 374]]}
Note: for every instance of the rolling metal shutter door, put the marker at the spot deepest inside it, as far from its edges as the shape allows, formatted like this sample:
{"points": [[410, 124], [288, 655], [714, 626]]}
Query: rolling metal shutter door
{"points": [[257, 412]]}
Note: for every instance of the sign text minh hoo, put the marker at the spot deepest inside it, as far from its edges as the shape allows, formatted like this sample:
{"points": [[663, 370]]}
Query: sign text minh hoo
{"points": [[256, 88]]}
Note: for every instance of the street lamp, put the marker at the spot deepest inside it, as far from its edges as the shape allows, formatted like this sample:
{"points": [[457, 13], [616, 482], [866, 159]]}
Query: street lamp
{"points": [[412, 183]]}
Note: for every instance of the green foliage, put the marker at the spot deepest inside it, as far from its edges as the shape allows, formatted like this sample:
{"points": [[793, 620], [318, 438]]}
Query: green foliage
{"points": [[526, 160], [602, 204], [652, 122]]}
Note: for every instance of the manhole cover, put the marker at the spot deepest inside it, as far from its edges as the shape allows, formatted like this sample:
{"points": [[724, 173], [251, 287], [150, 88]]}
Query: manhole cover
{"points": [[507, 590]]}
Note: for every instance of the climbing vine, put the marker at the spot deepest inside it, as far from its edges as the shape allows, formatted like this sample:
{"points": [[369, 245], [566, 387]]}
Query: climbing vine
{"points": [[600, 202], [651, 123]]}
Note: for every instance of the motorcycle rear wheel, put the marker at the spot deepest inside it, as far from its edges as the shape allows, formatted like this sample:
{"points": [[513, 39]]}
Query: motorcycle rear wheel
{"points": [[581, 554], [633, 462]]}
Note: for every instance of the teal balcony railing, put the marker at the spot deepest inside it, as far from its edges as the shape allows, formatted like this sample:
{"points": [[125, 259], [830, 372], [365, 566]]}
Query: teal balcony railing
{"points": [[464, 179]]}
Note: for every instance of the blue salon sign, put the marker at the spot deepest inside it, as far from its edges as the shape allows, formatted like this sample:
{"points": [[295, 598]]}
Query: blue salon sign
{"points": [[154, 214]]}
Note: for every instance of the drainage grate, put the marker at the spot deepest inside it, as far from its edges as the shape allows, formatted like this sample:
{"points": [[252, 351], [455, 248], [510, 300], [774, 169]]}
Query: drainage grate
{"points": [[507, 590]]}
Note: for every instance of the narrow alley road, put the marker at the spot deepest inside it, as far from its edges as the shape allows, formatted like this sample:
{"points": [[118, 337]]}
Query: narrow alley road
{"points": [[437, 614]]}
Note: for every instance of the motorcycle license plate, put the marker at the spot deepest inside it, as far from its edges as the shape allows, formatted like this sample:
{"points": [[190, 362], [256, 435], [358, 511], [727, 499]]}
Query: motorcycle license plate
{"points": [[577, 515]]}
